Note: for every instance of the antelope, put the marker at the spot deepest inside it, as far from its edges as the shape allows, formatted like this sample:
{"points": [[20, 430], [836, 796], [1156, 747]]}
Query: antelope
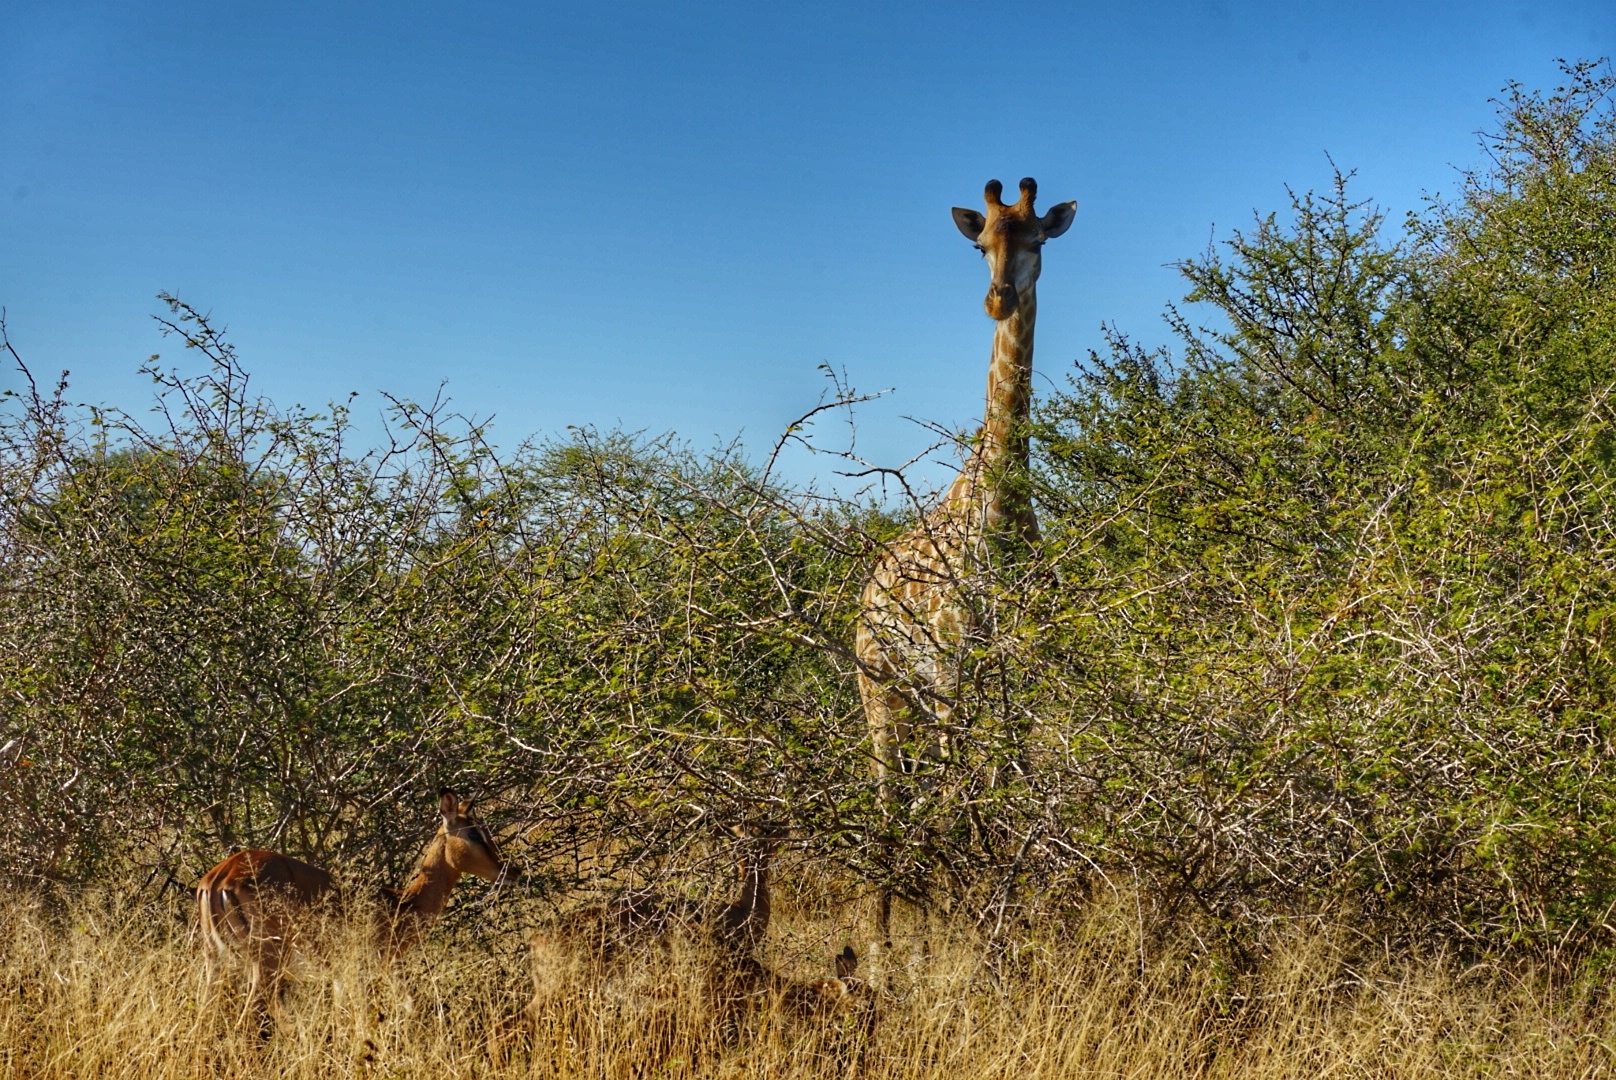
{"points": [[590, 946], [254, 902], [810, 999], [841, 1009]]}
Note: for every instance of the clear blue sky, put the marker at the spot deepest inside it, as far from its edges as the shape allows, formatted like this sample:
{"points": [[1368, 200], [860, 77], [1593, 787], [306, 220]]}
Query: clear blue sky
{"points": [[667, 216]]}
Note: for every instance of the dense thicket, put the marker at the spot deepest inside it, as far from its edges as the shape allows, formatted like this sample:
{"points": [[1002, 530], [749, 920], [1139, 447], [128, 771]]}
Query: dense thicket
{"points": [[1322, 616], [1351, 552]]}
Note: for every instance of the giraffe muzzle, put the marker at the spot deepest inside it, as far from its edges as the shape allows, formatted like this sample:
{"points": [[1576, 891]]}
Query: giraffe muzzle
{"points": [[1002, 300]]}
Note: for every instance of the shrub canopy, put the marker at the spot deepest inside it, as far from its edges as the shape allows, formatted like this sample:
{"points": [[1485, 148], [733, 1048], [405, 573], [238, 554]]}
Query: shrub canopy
{"points": [[1322, 614]]}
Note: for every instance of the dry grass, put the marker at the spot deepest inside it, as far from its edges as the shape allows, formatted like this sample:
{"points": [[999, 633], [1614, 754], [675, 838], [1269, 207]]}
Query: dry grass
{"points": [[118, 993]]}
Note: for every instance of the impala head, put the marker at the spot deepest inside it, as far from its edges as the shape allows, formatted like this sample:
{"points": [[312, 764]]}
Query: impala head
{"points": [[468, 845], [758, 840], [1011, 237]]}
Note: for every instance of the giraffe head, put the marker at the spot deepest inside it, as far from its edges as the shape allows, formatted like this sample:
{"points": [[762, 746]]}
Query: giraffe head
{"points": [[1011, 238]]}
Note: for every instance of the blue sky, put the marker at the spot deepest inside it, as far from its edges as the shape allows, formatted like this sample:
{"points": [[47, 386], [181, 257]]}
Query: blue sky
{"points": [[668, 216]]}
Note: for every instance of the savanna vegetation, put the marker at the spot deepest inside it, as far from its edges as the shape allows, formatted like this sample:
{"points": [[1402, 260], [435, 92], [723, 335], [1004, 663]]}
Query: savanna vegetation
{"points": [[1290, 749]]}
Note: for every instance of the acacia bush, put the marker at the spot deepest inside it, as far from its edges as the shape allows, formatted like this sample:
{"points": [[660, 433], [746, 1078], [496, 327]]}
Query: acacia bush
{"points": [[230, 628], [1320, 618], [1350, 552]]}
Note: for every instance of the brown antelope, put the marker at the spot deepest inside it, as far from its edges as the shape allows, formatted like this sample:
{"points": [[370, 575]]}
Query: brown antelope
{"points": [[254, 902], [586, 947], [841, 1009], [811, 999]]}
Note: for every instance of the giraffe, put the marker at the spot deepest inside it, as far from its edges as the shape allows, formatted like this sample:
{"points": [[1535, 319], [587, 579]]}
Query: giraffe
{"points": [[915, 616]]}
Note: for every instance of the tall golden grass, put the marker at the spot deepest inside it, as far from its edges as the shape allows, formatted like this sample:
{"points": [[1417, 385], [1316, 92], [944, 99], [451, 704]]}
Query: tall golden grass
{"points": [[115, 991]]}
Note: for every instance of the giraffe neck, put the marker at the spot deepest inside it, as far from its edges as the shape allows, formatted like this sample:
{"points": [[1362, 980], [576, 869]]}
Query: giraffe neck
{"points": [[997, 470]]}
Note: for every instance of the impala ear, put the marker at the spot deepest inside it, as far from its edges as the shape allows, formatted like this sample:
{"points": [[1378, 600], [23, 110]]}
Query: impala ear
{"points": [[969, 222], [1058, 219], [447, 805]]}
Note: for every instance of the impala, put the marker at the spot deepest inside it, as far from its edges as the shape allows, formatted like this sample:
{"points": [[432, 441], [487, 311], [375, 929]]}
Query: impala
{"points": [[585, 947], [808, 999], [254, 902]]}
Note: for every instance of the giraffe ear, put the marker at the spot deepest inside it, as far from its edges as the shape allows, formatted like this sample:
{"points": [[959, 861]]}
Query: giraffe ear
{"points": [[1058, 219], [970, 223]]}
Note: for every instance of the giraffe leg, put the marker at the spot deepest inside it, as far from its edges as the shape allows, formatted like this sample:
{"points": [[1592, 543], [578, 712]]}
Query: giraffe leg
{"points": [[937, 746], [884, 711]]}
